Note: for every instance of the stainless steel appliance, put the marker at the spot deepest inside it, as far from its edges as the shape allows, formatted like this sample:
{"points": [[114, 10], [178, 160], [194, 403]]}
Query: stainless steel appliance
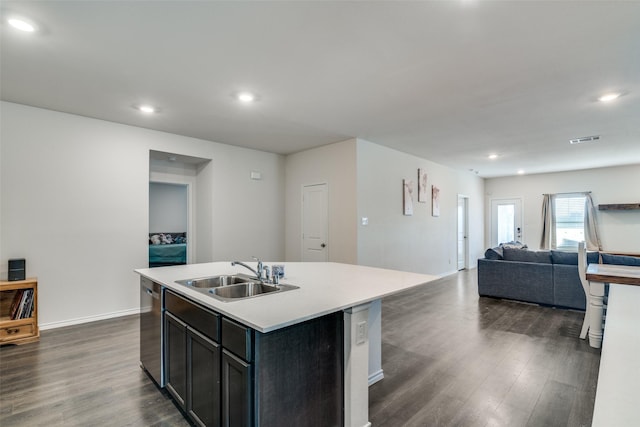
{"points": [[151, 357]]}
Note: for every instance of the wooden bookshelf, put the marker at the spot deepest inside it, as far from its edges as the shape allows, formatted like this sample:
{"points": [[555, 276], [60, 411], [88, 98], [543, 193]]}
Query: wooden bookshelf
{"points": [[19, 311]]}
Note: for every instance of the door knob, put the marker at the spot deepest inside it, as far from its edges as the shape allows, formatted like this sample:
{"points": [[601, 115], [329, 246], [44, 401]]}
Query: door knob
{"points": [[322, 245]]}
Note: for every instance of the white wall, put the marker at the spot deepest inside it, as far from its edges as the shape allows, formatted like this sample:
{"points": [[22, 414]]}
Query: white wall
{"points": [[619, 230], [74, 203], [420, 243], [334, 164], [167, 208]]}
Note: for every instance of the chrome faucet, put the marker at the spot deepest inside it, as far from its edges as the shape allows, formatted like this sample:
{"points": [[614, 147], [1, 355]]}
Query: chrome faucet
{"points": [[257, 271]]}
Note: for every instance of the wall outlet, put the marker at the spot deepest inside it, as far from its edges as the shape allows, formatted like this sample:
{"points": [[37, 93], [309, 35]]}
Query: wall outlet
{"points": [[361, 332], [365, 220]]}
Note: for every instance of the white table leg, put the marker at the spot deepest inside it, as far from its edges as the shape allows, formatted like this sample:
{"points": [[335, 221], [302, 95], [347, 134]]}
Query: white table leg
{"points": [[356, 366], [596, 296]]}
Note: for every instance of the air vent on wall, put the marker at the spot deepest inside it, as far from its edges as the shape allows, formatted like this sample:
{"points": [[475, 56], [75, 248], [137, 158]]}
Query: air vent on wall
{"points": [[584, 139]]}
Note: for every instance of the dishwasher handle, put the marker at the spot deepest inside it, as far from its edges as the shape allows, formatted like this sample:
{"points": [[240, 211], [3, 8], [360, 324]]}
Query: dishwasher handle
{"points": [[155, 295]]}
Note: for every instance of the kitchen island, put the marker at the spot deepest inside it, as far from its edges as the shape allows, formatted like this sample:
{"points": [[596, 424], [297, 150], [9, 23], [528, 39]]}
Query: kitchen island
{"points": [[324, 290]]}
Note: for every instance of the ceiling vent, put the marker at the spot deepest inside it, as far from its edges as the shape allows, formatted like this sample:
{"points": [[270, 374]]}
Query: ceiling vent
{"points": [[584, 139]]}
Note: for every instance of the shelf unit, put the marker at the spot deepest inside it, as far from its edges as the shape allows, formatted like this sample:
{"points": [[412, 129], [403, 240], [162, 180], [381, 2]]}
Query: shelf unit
{"points": [[619, 206], [18, 331]]}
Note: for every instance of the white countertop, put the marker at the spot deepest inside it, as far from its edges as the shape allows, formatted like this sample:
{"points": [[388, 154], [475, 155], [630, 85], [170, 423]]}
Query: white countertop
{"points": [[619, 377], [324, 288]]}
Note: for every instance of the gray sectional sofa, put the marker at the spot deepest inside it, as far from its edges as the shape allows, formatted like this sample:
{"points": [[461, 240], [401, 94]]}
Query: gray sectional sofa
{"points": [[542, 277]]}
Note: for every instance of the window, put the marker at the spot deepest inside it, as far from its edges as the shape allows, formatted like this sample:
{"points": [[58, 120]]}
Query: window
{"points": [[569, 221]]}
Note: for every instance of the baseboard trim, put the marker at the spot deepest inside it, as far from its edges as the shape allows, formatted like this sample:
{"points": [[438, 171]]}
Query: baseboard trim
{"points": [[448, 273], [375, 377], [88, 319]]}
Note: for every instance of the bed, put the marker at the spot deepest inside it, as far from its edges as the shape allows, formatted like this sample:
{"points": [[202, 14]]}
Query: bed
{"points": [[167, 249]]}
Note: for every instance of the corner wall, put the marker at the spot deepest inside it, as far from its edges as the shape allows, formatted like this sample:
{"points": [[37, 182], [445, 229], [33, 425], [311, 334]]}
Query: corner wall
{"points": [[74, 203], [619, 230], [334, 164], [419, 243]]}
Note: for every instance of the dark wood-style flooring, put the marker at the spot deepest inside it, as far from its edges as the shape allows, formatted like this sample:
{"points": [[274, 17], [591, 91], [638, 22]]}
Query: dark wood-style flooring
{"points": [[449, 359]]}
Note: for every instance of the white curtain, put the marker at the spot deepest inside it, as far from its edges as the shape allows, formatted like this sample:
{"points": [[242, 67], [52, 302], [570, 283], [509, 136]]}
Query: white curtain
{"points": [[591, 236], [548, 240]]}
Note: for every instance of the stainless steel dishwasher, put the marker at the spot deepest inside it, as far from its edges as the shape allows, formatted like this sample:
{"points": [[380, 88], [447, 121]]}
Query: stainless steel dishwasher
{"points": [[151, 354]]}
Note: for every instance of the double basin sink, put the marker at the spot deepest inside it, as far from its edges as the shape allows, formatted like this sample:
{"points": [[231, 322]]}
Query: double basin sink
{"points": [[233, 287]]}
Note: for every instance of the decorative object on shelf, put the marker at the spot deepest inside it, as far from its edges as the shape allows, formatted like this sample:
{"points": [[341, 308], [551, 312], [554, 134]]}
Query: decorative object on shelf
{"points": [[435, 201], [422, 186], [619, 207], [17, 268], [407, 196]]}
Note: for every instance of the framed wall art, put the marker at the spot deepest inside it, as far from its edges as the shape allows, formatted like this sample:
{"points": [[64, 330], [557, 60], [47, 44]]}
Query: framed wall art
{"points": [[435, 201], [422, 186], [407, 197]]}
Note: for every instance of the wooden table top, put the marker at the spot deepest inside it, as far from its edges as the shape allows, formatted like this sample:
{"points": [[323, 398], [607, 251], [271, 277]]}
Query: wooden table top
{"points": [[609, 273]]}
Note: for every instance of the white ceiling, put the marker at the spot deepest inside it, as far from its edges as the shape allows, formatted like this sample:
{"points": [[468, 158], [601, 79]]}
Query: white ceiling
{"points": [[450, 81]]}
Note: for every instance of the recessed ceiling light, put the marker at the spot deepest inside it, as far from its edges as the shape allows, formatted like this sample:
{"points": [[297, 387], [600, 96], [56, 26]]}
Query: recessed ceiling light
{"points": [[246, 97], [521, 172], [148, 109], [608, 97], [493, 156], [21, 25]]}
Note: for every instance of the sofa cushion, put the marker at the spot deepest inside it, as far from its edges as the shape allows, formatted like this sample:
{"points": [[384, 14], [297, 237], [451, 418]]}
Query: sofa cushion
{"points": [[620, 260], [530, 282], [524, 255], [494, 253], [571, 258], [567, 287]]}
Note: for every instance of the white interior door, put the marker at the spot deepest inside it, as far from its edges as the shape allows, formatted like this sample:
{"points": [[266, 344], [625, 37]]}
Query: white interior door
{"points": [[506, 221], [315, 223], [463, 246]]}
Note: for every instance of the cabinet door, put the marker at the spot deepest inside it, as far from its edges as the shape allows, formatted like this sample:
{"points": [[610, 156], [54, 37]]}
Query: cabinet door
{"points": [[175, 345], [236, 391], [204, 404]]}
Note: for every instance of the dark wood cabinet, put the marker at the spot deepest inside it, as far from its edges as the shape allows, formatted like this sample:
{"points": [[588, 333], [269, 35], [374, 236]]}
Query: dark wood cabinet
{"points": [[223, 373], [175, 345], [203, 379], [192, 360], [236, 391]]}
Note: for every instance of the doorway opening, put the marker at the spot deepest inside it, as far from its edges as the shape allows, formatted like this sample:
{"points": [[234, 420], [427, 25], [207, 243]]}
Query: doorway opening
{"points": [[179, 202], [168, 223], [506, 221], [463, 232]]}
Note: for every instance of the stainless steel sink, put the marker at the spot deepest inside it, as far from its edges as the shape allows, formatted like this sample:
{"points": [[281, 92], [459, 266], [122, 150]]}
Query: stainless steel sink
{"points": [[248, 290], [243, 290], [215, 281], [233, 287]]}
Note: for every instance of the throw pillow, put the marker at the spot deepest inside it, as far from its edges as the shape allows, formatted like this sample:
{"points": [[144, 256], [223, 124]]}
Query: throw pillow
{"points": [[494, 253]]}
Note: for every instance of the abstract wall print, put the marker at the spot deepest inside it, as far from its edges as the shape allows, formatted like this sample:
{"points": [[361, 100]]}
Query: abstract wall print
{"points": [[422, 186], [407, 196], [435, 201]]}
